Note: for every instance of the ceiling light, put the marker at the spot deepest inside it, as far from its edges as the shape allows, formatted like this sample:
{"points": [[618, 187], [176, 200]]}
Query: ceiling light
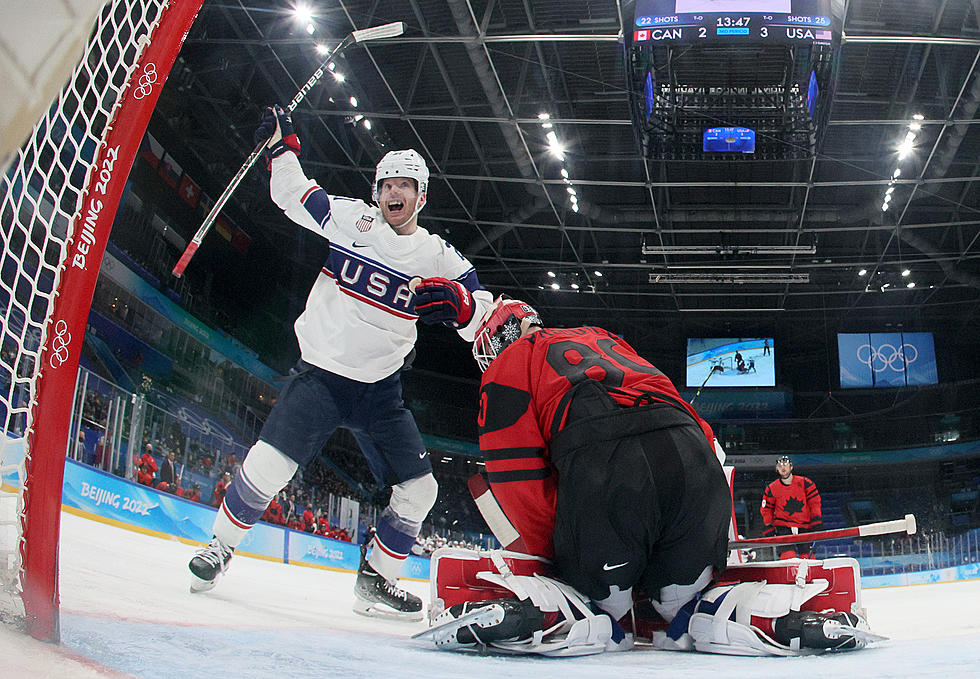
{"points": [[598, 273], [862, 272], [564, 173], [574, 207], [544, 116], [905, 272], [367, 124], [884, 207], [904, 148], [897, 173], [555, 286], [310, 28], [571, 191], [353, 102], [729, 249], [332, 66], [737, 278], [321, 49], [574, 286], [910, 284], [303, 14], [551, 274], [890, 190], [339, 77]]}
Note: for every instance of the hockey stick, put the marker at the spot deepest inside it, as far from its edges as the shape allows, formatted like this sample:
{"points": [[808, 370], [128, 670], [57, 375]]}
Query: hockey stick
{"points": [[363, 35], [906, 525], [710, 373], [493, 514]]}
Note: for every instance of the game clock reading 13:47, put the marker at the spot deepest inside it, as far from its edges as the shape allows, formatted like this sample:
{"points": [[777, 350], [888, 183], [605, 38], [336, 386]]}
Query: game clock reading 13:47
{"points": [[733, 21]]}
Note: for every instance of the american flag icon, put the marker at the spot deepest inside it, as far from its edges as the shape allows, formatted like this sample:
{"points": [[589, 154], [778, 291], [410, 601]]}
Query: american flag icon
{"points": [[822, 35], [364, 223]]}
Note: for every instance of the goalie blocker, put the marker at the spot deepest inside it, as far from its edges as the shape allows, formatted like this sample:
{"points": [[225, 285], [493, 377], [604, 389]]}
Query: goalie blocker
{"points": [[507, 602]]}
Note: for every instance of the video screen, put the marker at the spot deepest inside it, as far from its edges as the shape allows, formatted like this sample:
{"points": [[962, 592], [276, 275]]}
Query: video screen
{"points": [[886, 359], [731, 362]]}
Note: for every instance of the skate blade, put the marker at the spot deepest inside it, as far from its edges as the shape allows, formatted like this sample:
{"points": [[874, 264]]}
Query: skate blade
{"points": [[371, 609], [862, 634], [199, 586], [481, 617]]}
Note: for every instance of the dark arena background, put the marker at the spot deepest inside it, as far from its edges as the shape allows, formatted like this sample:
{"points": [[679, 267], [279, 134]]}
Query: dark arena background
{"points": [[797, 181]]}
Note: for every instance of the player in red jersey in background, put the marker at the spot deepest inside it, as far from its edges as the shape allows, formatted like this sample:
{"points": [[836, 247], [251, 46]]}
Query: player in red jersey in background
{"points": [[791, 505], [606, 484]]}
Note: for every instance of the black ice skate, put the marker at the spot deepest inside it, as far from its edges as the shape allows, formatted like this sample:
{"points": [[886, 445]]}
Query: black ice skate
{"points": [[834, 632], [374, 596], [478, 624], [208, 564]]}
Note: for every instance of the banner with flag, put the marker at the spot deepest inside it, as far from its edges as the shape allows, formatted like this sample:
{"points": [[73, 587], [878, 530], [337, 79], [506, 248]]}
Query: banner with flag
{"points": [[170, 170], [222, 226], [151, 150], [189, 191]]}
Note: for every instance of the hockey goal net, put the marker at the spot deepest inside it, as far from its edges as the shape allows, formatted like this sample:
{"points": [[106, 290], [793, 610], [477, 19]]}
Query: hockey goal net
{"points": [[58, 198]]}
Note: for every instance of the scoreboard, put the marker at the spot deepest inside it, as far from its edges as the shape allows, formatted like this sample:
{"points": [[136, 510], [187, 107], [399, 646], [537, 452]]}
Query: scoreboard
{"points": [[734, 21]]}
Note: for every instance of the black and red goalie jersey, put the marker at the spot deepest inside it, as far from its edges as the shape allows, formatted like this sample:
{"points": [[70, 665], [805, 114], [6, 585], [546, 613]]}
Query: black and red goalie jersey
{"points": [[793, 505], [522, 407]]}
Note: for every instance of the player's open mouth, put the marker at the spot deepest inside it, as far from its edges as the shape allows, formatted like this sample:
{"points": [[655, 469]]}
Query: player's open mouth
{"points": [[395, 206]]}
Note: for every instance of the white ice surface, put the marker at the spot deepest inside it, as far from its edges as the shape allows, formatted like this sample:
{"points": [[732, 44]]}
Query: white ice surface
{"points": [[127, 611]]}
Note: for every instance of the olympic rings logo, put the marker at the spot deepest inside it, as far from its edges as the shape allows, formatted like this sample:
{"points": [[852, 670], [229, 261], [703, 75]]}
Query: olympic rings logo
{"points": [[887, 356], [145, 84], [59, 344]]}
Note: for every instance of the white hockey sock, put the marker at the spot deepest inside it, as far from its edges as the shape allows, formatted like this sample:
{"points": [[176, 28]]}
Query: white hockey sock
{"points": [[264, 473]]}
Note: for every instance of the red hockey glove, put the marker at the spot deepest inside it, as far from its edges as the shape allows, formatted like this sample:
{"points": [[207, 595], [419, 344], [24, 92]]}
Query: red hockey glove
{"points": [[440, 300], [277, 128]]}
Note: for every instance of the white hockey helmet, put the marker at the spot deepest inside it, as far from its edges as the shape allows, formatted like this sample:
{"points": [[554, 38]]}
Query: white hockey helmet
{"points": [[407, 163], [502, 325]]}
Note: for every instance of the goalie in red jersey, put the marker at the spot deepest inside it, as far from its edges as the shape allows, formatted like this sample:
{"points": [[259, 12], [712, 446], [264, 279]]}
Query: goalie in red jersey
{"points": [[791, 505], [604, 483]]}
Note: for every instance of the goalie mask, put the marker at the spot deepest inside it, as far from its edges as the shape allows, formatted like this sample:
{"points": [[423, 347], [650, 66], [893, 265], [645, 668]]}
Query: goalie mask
{"points": [[407, 163], [502, 326]]}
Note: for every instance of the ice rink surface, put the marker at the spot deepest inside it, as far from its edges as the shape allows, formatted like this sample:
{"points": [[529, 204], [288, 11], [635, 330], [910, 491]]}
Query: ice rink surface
{"points": [[127, 611]]}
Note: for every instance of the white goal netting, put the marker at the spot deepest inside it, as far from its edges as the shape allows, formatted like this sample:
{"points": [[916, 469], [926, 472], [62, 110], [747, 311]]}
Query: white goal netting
{"points": [[51, 193]]}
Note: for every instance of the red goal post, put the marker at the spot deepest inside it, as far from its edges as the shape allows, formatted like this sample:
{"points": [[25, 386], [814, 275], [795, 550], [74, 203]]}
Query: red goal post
{"points": [[58, 199]]}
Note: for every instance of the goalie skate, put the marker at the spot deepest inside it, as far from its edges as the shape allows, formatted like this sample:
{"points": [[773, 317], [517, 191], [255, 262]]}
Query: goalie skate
{"points": [[445, 629], [826, 632]]}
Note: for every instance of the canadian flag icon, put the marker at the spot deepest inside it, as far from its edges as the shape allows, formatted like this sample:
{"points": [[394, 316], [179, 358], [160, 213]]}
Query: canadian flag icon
{"points": [[641, 35]]}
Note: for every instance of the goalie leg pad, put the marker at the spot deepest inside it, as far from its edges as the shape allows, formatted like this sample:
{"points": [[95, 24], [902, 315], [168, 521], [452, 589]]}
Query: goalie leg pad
{"points": [[565, 623], [453, 575], [730, 619]]}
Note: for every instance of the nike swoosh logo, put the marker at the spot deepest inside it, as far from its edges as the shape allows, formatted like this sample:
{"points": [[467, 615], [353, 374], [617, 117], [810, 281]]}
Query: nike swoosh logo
{"points": [[607, 567], [422, 455], [360, 245]]}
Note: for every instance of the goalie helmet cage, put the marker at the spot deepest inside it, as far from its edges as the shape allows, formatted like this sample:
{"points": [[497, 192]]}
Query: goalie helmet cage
{"points": [[58, 199]]}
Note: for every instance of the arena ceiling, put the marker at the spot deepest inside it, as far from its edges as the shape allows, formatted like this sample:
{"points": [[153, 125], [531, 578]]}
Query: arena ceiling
{"points": [[466, 86]]}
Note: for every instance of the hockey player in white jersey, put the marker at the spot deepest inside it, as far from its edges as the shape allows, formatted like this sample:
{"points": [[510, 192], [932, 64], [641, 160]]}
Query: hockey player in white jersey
{"points": [[356, 335]]}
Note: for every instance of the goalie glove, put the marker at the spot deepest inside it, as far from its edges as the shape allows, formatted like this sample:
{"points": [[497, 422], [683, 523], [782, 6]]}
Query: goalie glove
{"points": [[440, 300], [277, 131]]}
